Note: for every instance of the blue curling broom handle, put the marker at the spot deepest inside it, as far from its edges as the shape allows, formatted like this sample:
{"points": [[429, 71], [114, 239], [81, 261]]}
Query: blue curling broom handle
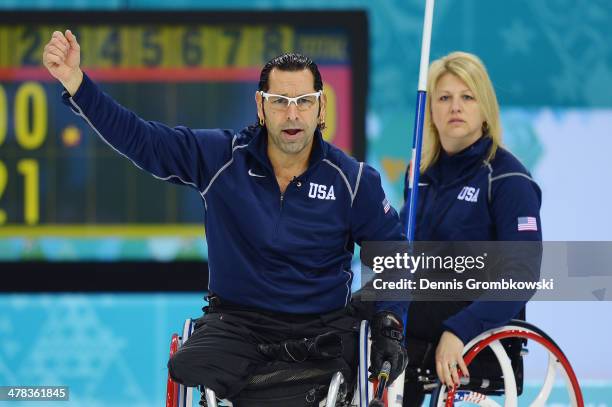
{"points": [[417, 137]]}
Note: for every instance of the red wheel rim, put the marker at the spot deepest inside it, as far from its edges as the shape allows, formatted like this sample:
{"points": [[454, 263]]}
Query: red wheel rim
{"points": [[171, 386], [527, 335]]}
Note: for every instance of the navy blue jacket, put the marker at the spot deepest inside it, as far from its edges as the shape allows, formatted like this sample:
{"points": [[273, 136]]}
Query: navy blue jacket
{"points": [[286, 252], [465, 198]]}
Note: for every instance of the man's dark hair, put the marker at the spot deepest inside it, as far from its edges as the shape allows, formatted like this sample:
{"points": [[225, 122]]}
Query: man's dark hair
{"points": [[290, 62]]}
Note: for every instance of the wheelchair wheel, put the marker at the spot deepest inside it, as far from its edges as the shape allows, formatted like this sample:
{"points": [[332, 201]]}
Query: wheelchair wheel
{"points": [[365, 390], [172, 388], [515, 329], [178, 395]]}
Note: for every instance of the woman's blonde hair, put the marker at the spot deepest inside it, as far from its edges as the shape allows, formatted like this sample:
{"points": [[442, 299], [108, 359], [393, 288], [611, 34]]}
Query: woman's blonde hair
{"points": [[470, 69]]}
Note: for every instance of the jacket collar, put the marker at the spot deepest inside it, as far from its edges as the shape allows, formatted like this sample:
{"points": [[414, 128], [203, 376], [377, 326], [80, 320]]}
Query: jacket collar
{"points": [[258, 148], [449, 169]]}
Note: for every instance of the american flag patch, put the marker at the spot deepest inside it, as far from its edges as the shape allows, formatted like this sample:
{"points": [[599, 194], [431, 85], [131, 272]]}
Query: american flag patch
{"points": [[386, 205], [527, 223]]}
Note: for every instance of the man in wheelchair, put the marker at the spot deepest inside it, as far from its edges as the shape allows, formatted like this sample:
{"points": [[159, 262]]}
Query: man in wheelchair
{"points": [[282, 207], [284, 210]]}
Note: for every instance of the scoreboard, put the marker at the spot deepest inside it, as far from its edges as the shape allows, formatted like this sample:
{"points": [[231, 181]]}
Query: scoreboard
{"points": [[66, 196]]}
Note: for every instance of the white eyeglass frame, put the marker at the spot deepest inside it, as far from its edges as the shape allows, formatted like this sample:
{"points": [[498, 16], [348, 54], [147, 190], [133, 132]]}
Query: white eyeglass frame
{"points": [[289, 100]]}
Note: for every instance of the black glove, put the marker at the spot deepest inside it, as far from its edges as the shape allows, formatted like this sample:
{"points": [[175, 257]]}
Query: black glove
{"points": [[387, 333]]}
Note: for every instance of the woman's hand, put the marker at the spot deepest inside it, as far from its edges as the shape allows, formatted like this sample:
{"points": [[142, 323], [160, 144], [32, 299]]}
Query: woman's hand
{"points": [[449, 357]]}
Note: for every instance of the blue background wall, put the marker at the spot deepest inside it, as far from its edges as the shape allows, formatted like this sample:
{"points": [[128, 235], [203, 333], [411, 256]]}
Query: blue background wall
{"points": [[551, 62]]}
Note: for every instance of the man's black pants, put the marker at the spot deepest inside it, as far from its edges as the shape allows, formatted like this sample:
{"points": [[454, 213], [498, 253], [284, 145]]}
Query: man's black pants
{"points": [[222, 352]]}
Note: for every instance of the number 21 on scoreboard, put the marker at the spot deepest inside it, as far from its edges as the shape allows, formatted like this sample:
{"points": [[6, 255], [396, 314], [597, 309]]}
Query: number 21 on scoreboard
{"points": [[30, 122]]}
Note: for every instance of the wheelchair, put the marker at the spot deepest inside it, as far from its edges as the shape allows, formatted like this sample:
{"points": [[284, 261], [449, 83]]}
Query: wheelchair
{"points": [[325, 381], [327, 385], [495, 360]]}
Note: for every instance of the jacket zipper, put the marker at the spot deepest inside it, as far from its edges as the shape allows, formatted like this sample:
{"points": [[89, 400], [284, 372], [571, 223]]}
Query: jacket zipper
{"points": [[282, 201], [280, 212]]}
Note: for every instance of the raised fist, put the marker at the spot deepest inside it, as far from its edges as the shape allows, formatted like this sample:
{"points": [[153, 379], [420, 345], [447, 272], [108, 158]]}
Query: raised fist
{"points": [[62, 57]]}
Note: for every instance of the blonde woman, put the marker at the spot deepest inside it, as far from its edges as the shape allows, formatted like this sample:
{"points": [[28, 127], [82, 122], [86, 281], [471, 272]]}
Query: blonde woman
{"points": [[471, 189]]}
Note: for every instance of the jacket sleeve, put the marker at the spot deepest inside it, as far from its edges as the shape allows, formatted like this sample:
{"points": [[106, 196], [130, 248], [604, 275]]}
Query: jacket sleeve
{"points": [[512, 197], [374, 219], [178, 154]]}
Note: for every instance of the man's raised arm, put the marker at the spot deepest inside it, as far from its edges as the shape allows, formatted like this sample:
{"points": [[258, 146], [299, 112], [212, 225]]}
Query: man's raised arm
{"points": [[178, 154]]}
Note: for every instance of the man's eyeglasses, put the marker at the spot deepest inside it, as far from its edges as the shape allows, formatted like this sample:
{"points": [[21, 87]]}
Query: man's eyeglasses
{"points": [[304, 102]]}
